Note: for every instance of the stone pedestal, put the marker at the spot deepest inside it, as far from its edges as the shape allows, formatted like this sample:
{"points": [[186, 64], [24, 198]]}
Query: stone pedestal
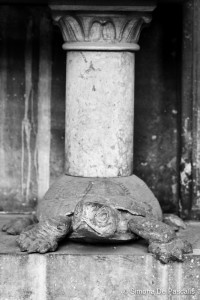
{"points": [[84, 271], [100, 87]]}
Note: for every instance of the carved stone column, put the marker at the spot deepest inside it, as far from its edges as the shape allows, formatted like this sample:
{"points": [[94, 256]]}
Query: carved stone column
{"points": [[100, 71]]}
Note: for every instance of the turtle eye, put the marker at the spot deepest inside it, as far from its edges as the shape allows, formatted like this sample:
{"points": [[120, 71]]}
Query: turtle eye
{"points": [[102, 216]]}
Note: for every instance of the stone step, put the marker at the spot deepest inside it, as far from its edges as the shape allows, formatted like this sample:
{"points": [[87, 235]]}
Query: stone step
{"points": [[110, 272]]}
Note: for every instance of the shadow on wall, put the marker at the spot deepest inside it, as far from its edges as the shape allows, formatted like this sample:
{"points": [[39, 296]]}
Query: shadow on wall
{"points": [[157, 107]]}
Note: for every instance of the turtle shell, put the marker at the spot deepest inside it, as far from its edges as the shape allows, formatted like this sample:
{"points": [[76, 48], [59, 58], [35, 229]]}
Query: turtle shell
{"points": [[129, 194]]}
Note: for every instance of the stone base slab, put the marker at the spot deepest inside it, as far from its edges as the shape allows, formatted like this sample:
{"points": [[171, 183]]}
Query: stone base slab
{"points": [[82, 271]]}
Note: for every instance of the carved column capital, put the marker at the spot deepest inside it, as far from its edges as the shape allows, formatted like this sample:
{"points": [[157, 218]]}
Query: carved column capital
{"points": [[100, 30]]}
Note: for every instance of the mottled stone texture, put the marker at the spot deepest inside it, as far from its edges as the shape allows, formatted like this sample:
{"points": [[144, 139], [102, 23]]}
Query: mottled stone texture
{"points": [[157, 110], [99, 277], [84, 271], [99, 113]]}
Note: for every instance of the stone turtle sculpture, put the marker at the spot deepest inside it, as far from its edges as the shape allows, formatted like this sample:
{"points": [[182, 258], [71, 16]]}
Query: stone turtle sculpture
{"points": [[99, 210]]}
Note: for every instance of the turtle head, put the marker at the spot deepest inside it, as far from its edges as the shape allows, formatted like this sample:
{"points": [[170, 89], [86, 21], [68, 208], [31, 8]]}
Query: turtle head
{"points": [[95, 219]]}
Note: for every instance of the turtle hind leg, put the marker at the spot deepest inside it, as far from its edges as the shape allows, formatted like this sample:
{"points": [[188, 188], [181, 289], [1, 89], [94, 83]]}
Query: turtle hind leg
{"points": [[174, 221], [17, 225], [44, 236]]}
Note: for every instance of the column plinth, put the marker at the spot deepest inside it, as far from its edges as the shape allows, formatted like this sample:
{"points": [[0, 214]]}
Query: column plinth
{"points": [[100, 79]]}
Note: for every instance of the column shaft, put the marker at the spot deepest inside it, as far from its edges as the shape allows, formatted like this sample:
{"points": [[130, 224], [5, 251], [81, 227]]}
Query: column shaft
{"points": [[99, 113]]}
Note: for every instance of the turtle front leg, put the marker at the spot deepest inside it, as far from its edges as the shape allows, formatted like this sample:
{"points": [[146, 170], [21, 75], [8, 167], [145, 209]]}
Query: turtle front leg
{"points": [[162, 239], [44, 236]]}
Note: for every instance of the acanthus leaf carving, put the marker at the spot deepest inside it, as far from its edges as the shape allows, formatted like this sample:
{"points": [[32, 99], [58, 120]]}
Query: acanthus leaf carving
{"points": [[107, 27], [103, 29], [131, 31], [71, 28]]}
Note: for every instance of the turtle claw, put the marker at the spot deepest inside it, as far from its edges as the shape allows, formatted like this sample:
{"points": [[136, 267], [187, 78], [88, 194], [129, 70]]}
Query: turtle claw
{"points": [[187, 247], [24, 241], [178, 255], [48, 247], [163, 258], [42, 247], [171, 251]]}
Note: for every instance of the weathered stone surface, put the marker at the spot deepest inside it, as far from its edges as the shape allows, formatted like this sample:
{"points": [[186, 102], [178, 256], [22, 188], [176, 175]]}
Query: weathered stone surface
{"points": [[99, 113], [130, 192], [100, 30], [100, 88], [156, 108], [84, 271]]}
